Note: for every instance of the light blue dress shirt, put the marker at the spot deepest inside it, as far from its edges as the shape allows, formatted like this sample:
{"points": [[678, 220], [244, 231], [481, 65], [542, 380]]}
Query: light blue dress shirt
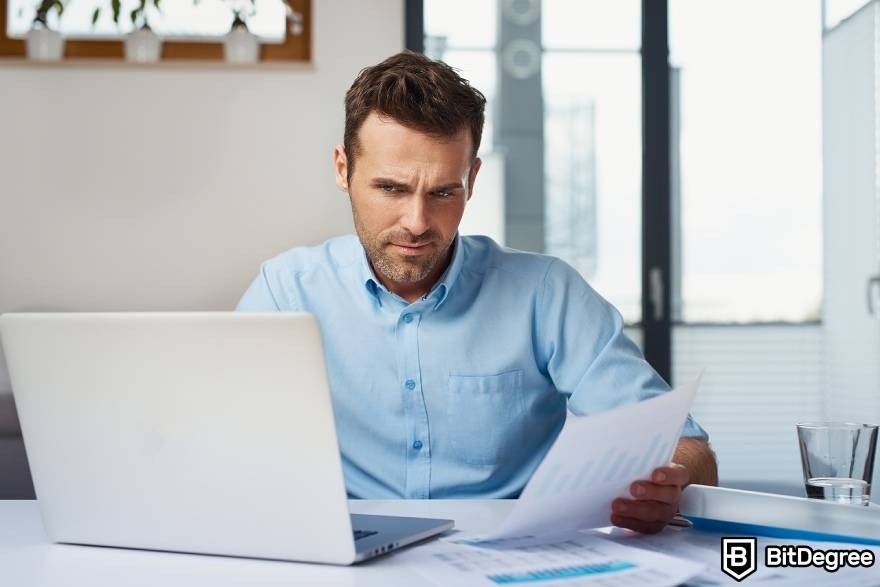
{"points": [[461, 393]]}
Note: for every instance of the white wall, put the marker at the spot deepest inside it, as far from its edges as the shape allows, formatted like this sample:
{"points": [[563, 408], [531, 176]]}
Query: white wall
{"points": [[163, 188]]}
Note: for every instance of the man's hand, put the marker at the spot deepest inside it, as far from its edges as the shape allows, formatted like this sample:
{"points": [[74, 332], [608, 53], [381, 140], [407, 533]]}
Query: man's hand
{"points": [[655, 502]]}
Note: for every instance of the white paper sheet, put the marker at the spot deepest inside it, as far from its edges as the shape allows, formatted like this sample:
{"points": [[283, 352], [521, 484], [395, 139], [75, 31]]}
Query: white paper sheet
{"points": [[581, 561], [593, 461]]}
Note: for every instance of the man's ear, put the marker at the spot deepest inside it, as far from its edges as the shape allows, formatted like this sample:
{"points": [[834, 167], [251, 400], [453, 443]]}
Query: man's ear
{"points": [[340, 166], [473, 176]]}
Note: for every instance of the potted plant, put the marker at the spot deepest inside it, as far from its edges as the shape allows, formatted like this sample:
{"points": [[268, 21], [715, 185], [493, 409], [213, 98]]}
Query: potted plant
{"points": [[42, 43], [142, 45], [241, 45]]}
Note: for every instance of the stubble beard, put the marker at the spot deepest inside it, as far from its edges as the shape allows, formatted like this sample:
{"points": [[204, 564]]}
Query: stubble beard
{"points": [[399, 270]]}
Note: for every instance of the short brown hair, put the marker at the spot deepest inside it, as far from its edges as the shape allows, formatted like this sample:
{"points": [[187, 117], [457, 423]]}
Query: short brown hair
{"points": [[417, 92]]}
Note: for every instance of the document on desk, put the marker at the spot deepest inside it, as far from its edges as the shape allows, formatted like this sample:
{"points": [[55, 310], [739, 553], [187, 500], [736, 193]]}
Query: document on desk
{"points": [[581, 561], [594, 460]]}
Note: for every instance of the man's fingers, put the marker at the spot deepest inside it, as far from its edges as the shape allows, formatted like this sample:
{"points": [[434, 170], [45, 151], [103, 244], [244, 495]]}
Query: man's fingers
{"points": [[671, 474], [655, 503], [653, 492], [646, 511], [637, 525]]}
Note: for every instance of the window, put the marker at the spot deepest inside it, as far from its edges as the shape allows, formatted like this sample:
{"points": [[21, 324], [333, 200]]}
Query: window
{"points": [[186, 19], [750, 152], [746, 164], [591, 140], [190, 29], [747, 157]]}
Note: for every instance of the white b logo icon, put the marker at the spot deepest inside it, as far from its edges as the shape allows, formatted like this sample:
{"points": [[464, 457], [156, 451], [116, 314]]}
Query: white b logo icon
{"points": [[738, 557]]}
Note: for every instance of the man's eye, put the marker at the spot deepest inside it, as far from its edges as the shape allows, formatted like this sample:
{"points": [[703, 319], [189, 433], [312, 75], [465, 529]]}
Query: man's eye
{"points": [[444, 193], [387, 187]]}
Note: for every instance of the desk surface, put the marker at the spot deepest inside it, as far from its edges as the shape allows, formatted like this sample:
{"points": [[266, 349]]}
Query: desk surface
{"points": [[28, 558]]}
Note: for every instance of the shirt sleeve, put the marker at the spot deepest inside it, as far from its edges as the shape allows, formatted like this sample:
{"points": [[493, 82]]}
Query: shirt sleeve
{"points": [[587, 355], [260, 296]]}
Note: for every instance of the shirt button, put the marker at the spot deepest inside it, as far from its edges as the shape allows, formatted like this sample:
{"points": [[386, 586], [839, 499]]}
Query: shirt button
{"points": [[407, 318], [410, 384], [417, 444]]}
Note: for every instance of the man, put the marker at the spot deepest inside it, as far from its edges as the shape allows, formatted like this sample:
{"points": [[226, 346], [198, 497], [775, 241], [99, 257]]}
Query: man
{"points": [[452, 360]]}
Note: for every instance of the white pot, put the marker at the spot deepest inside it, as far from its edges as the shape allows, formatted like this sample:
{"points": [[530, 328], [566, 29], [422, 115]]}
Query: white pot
{"points": [[143, 46], [44, 44], [241, 46]]}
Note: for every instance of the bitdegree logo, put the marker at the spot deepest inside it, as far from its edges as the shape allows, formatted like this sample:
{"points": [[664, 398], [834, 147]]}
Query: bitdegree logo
{"points": [[738, 557], [790, 555], [739, 554]]}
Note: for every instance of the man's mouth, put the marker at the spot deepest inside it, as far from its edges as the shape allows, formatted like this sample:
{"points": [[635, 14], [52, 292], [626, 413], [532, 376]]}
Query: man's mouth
{"points": [[411, 248]]}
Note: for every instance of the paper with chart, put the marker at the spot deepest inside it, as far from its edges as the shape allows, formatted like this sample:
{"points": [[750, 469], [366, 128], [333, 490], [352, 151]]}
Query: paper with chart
{"points": [[593, 461], [580, 561]]}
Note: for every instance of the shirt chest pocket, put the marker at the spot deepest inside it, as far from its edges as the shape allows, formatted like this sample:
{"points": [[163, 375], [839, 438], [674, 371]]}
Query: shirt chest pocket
{"points": [[485, 414]]}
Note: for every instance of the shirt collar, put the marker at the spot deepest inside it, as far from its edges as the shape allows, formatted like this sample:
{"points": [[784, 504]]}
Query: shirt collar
{"points": [[439, 292], [367, 277], [447, 280]]}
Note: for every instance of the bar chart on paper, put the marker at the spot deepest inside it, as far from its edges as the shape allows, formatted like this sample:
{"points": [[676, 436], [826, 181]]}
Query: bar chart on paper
{"points": [[582, 561], [594, 460]]}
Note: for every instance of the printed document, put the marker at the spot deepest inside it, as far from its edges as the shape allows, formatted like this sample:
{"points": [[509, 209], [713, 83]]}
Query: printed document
{"points": [[581, 561], [593, 461]]}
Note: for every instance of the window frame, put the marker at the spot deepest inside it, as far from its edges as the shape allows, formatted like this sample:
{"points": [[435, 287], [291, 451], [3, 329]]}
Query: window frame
{"points": [[656, 188]]}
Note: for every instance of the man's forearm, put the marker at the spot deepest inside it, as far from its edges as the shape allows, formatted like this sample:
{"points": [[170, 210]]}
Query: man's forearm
{"points": [[699, 459]]}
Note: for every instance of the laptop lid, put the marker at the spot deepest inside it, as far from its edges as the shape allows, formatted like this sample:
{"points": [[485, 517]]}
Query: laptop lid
{"points": [[192, 432]]}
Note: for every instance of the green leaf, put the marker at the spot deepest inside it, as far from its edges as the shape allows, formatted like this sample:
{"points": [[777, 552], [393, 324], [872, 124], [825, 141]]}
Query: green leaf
{"points": [[60, 6], [96, 15], [134, 15], [116, 7]]}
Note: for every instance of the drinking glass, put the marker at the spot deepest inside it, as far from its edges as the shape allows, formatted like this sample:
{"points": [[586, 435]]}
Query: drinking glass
{"points": [[838, 460]]}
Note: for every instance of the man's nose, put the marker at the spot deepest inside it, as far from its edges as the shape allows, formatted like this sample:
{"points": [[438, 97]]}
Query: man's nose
{"points": [[415, 218]]}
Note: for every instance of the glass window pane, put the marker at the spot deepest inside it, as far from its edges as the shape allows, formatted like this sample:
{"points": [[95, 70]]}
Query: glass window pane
{"points": [[750, 158], [462, 23], [592, 130], [592, 142], [208, 18], [592, 24]]}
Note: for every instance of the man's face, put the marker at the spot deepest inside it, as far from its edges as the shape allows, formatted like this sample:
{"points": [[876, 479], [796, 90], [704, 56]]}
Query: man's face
{"points": [[408, 193]]}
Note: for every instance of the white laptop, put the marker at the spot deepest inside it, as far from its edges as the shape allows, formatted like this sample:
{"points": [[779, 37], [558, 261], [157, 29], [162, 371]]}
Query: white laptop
{"points": [[189, 432]]}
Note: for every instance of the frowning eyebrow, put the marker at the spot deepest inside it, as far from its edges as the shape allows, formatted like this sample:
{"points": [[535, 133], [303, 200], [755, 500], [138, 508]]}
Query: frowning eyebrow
{"points": [[446, 187], [389, 182]]}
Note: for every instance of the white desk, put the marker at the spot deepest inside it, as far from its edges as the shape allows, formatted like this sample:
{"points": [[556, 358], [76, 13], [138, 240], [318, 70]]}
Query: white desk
{"points": [[27, 558]]}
